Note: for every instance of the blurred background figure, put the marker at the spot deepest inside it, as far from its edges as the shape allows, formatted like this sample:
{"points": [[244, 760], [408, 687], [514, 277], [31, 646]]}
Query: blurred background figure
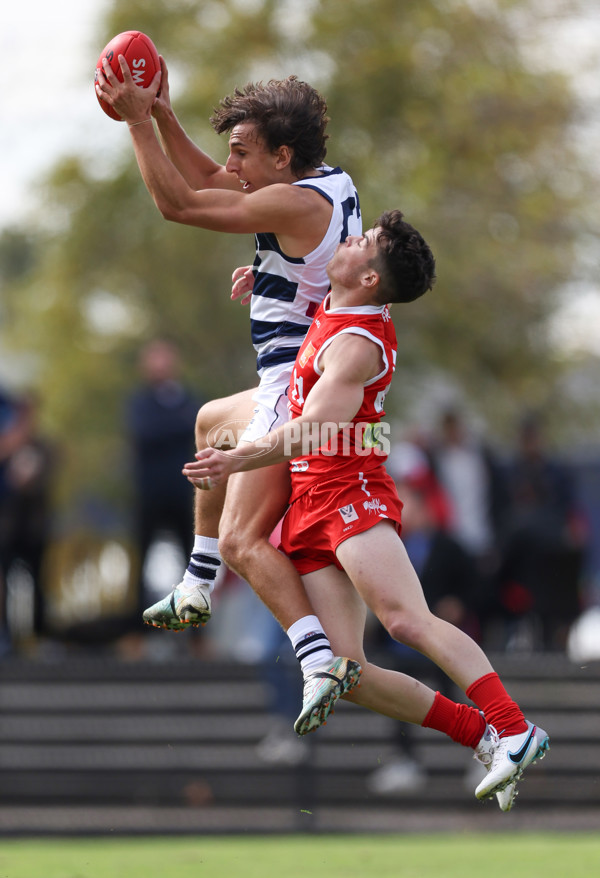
{"points": [[470, 475], [544, 544], [160, 421], [27, 468], [451, 584], [11, 432]]}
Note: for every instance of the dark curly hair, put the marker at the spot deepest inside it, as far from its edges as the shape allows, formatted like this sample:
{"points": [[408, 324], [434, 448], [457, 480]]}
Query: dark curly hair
{"points": [[404, 262], [286, 112]]}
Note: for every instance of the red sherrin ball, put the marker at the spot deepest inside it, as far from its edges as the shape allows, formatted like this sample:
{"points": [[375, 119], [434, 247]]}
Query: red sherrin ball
{"points": [[141, 55]]}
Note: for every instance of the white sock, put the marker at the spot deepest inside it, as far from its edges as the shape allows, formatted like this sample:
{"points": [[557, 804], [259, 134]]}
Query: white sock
{"points": [[204, 563], [310, 643]]}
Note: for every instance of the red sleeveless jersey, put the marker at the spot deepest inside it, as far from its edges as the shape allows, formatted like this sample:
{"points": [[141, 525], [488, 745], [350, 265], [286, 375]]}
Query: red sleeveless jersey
{"points": [[363, 444]]}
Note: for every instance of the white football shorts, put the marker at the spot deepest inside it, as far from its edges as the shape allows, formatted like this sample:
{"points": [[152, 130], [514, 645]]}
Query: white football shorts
{"points": [[271, 403]]}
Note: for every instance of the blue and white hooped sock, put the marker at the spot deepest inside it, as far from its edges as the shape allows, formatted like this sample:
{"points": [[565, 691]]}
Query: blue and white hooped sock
{"points": [[204, 562], [310, 643]]}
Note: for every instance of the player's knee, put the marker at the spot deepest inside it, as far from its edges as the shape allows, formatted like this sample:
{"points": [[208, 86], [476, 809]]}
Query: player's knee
{"points": [[405, 628], [207, 423], [217, 427], [203, 426], [234, 549]]}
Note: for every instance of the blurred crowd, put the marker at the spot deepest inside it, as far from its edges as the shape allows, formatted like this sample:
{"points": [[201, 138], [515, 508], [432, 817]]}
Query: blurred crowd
{"points": [[499, 539]]}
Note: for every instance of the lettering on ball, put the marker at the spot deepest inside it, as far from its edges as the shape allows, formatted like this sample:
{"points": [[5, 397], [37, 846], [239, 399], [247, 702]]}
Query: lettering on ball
{"points": [[137, 64], [137, 73]]}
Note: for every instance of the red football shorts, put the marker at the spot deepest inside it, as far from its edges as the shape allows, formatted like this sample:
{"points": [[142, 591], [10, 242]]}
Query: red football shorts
{"points": [[331, 512]]}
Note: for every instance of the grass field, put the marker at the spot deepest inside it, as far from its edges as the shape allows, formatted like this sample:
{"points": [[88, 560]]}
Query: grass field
{"points": [[368, 856]]}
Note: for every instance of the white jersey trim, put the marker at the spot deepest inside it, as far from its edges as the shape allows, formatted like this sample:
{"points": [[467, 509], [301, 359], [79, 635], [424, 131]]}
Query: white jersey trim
{"points": [[355, 330]]}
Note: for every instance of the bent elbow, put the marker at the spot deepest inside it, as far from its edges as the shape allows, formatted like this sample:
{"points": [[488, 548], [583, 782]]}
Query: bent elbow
{"points": [[170, 212]]}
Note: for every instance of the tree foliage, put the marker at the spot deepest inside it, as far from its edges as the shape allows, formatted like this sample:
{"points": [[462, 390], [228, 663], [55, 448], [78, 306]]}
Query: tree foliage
{"points": [[435, 108]]}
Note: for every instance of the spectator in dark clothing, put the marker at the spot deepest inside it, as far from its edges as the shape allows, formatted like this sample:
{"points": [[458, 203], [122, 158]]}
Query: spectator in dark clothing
{"points": [[469, 473], [543, 543], [10, 438], [27, 468], [161, 416]]}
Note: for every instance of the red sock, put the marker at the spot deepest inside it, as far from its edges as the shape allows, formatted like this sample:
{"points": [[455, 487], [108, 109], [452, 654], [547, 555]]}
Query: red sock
{"points": [[500, 710], [461, 722]]}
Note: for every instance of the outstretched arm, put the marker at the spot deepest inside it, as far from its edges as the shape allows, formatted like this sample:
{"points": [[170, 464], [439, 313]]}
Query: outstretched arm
{"points": [[198, 169], [278, 206], [348, 362], [136, 105]]}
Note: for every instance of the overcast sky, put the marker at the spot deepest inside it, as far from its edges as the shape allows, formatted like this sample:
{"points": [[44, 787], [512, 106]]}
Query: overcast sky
{"points": [[49, 52]]}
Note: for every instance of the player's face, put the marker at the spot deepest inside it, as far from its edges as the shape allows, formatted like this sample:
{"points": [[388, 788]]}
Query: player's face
{"points": [[352, 256], [250, 160]]}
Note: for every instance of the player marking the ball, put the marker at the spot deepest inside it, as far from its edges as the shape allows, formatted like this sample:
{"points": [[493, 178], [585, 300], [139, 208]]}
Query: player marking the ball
{"points": [[299, 209]]}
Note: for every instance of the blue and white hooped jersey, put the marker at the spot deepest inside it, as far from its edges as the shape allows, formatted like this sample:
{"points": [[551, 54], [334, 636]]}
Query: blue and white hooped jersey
{"points": [[287, 291]]}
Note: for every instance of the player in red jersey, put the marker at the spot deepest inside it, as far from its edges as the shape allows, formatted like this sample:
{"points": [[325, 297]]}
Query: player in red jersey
{"points": [[342, 528], [342, 489]]}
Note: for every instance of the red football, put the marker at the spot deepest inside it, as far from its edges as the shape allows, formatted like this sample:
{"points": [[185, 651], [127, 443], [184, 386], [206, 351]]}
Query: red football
{"points": [[141, 55]]}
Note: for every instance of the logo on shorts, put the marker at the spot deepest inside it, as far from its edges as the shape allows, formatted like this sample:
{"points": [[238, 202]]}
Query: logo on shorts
{"points": [[348, 513], [299, 466], [375, 505]]}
